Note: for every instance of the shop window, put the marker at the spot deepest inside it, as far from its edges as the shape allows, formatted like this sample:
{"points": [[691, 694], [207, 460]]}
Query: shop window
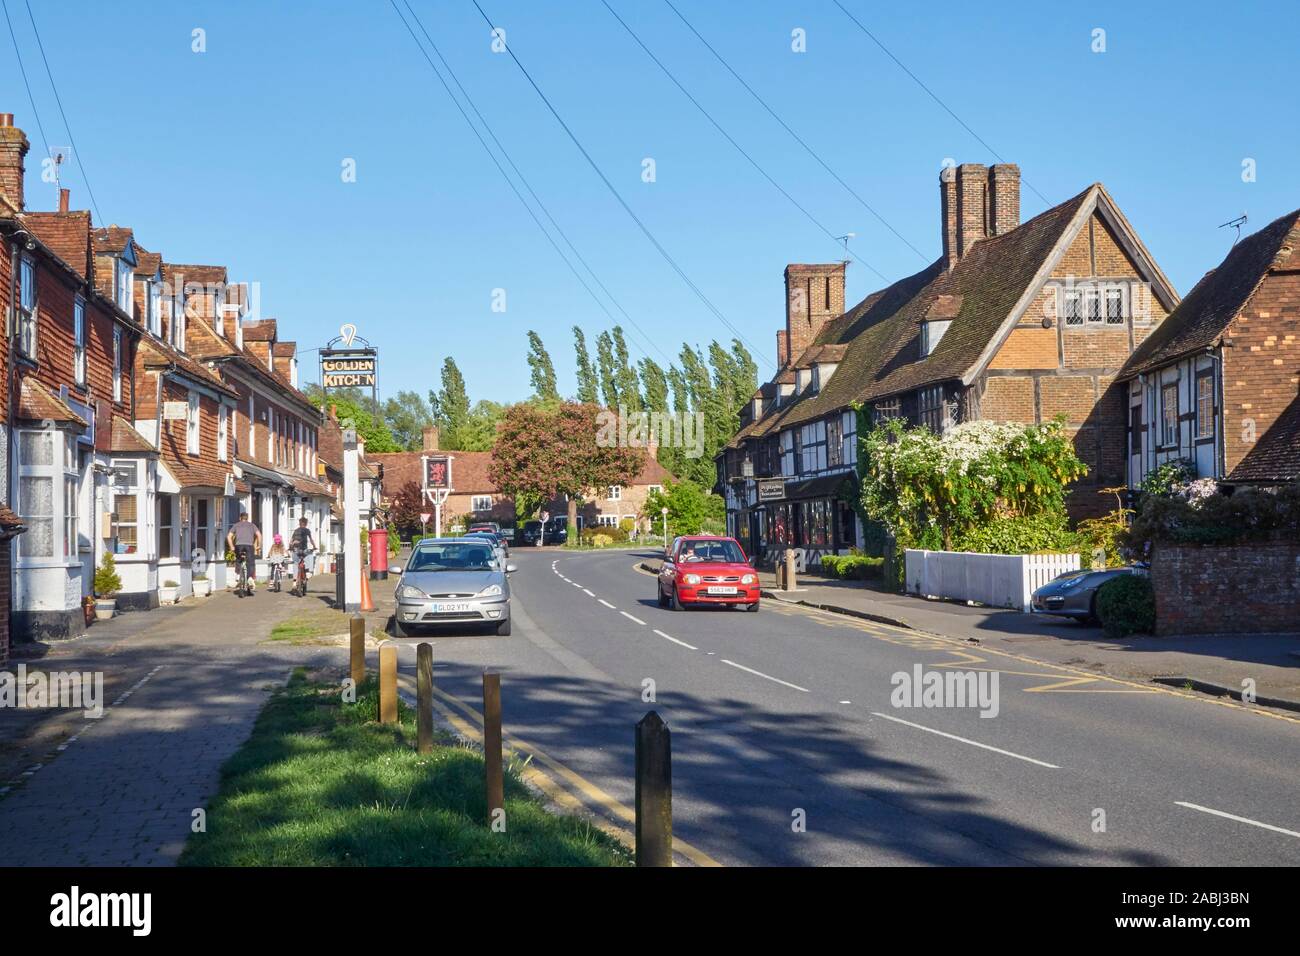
{"points": [[165, 524], [48, 489]]}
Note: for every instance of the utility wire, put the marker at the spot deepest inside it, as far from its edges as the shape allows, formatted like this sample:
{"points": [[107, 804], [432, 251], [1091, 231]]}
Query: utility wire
{"points": [[716, 125], [622, 202], [22, 69], [76, 153], [501, 169], [932, 95], [797, 138], [528, 186]]}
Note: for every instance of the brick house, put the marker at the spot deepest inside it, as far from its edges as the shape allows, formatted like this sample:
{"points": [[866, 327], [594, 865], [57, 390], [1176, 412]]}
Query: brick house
{"points": [[69, 398], [475, 497], [1218, 383], [273, 429], [1014, 322]]}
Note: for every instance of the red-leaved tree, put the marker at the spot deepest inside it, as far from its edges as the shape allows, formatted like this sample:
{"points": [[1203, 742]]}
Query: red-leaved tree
{"points": [[542, 452]]}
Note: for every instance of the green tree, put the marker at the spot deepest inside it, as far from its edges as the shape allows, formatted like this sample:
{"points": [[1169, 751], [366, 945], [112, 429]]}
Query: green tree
{"points": [[479, 431], [450, 404], [654, 385], [588, 392], [692, 508], [356, 408], [407, 415], [629, 389], [607, 370], [543, 371], [545, 451]]}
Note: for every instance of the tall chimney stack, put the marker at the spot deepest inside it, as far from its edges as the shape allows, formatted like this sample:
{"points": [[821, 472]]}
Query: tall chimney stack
{"points": [[977, 202], [13, 151], [1004, 185], [972, 205], [63, 199], [814, 294], [429, 436], [782, 349]]}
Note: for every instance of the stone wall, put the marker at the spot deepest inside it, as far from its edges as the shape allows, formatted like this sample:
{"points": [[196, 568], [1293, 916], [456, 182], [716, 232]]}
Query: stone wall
{"points": [[1247, 589]]}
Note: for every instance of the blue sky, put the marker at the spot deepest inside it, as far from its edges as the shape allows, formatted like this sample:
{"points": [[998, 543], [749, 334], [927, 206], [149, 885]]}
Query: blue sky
{"points": [[235, 155]]}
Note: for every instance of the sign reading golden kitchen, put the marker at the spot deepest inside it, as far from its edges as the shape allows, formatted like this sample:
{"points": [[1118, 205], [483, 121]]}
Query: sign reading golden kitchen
{"points": [[348, 368]]}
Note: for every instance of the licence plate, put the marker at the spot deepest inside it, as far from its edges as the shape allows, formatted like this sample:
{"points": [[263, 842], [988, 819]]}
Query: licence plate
{"points": [[452, 607], [719, 589]]}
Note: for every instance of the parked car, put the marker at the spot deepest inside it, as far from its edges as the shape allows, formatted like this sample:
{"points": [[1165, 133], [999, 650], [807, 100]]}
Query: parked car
{"points": [[556, 532], [707, 569], [453, 581], [1074, 593], [485, 526], [498, 543]]}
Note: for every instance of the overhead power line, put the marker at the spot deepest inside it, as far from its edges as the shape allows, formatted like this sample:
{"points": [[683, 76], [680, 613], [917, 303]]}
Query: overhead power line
{"points": [[797, 138], [501, 169], [699, 293], [649, 342], [76, 153], [740, 149], [23, 70], [916, 79]]}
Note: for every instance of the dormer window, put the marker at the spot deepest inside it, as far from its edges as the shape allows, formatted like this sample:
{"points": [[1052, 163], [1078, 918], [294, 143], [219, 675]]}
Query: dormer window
{"points": [[125, 285], [931, 332], [803, 379]]}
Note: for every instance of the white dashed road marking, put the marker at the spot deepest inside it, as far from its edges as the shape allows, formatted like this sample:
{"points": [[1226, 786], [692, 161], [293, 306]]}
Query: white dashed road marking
{"points": [[973, 743], [669, 637], [1233, 816], [607, 604], [750, 670], [631, 618]]}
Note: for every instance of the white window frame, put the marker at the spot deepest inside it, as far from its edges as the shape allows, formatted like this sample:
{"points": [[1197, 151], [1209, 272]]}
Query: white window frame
{"points": [[223, 432], [116, 491], [79, 341], [65, 491], [125, 281], [192, 434], [117, 364], [27, 307], [480, 503], [614, 493]]}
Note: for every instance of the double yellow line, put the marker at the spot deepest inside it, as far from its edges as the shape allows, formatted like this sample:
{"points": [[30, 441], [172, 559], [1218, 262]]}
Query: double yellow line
{"points": [[564, 787]]}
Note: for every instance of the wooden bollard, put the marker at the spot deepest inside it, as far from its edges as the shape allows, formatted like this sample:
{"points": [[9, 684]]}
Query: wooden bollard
{"points": [[654, 792], [388, 683], [496, 799], [424, 696], [789, 569], [357, 633]]}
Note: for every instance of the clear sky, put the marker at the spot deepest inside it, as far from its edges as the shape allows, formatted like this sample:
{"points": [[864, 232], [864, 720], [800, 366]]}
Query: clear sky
{"points": [[236, 155]]}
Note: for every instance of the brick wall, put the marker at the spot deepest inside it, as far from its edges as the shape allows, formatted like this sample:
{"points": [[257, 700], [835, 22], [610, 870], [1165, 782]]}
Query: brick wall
{"points": [[814, 295], [1252, 589], [5, 600], [1262, 369], [1008, 399]]}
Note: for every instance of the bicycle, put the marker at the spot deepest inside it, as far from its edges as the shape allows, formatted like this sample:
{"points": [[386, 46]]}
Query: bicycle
{"points": [[300, 576], [243, 588], [277, 575]]}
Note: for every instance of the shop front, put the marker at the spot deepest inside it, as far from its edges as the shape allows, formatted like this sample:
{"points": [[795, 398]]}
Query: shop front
{"points": [[811, 515]]}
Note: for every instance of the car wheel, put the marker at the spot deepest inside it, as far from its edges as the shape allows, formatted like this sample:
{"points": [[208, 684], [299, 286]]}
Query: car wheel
{"points": [[503, 629], [404, 630], [751, 607], [1092, 620], [676, 601], [659, 596]]}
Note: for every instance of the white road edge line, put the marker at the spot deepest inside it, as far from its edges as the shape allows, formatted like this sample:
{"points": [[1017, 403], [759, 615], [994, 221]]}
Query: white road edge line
{"points": [[777, 680], [607, 604], [973, 743], [631, 618], [669, 637], [1233, 816], [588, 593]]}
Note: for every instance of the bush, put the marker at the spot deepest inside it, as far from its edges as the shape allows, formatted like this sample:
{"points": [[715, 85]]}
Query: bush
{"points": [[1188, 515], [852, 567], [1127, 605], [1019, 534], [107, 580]]}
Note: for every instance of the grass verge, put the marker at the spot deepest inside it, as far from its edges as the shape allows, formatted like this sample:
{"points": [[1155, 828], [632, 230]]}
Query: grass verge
{"points": [[322, 783]]}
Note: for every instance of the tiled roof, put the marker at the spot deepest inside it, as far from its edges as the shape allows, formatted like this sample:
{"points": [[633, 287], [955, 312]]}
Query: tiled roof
{"points": [[203, 342], [147, 263], [880, 336], [1205, 313], [1275, 457], [111, 239], [190, 471], [204, 275], [260, 330], [156, 354], [127, 440], [68, 236], [10, 522], [37, 403], [469, 471]]}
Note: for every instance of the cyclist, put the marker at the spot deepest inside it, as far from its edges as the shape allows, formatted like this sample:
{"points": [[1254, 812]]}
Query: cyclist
{"points": [[245, 539], [278, 560], [300, 542]]}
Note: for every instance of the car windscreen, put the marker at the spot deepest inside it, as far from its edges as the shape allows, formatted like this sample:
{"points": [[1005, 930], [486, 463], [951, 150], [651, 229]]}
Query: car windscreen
{"points": [[717, 552], [453, 556]]}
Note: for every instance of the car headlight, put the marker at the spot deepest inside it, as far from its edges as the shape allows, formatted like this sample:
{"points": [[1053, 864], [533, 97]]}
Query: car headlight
{"points": [[692, 579], [406, 591], [490, 591], [747, 579], [1073, 583]]}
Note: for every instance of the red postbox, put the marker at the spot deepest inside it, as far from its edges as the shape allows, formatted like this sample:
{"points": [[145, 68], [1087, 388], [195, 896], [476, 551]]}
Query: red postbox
{"points": [[379, 554]]}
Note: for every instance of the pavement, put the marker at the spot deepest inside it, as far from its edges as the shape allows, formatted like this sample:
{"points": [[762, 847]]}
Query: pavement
{"points": [[1212, 664], [182, 686]]}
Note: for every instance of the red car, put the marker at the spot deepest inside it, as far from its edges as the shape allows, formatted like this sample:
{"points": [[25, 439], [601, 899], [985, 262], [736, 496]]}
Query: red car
{"points": [[707, 569]]}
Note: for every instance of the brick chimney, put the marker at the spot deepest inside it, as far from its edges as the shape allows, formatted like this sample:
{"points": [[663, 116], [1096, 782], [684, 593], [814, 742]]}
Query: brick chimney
{"points": [[813, 295], [64, 195], [782, 349], [429, 438], [977, 202], [13, 150]]}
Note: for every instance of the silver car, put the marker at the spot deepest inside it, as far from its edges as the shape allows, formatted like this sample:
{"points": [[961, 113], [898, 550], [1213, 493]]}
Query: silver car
{"points": [[453, 581], [1074, 594]]}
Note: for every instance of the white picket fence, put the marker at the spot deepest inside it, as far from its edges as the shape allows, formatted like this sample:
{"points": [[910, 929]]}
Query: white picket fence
{"points": [[997, 580]]}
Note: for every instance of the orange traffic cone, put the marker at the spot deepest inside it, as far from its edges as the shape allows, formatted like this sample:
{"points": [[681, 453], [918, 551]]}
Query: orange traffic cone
{"points": [[367, 602]]}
